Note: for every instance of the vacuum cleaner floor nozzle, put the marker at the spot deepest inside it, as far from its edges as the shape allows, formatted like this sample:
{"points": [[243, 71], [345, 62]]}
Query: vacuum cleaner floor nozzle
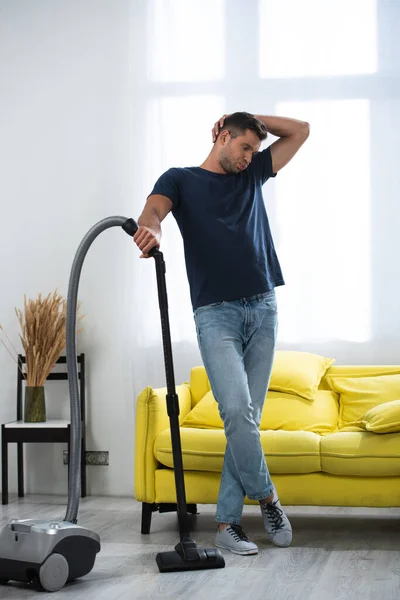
{"points": [[209, 558]]}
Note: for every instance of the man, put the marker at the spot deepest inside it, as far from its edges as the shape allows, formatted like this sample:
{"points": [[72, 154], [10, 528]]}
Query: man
{"points": [[233, 270]]}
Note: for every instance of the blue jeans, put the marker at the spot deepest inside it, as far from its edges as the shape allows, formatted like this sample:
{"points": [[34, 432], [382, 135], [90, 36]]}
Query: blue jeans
{"points": [[237, 344]]}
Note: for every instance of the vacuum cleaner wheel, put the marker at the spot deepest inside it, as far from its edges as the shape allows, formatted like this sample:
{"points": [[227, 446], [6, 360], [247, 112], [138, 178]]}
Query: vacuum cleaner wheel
{"points": [[53, 573]]}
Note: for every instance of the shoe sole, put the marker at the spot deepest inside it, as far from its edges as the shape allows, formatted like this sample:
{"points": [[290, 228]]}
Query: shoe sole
{"points": [[279, 545], [242, 553]]}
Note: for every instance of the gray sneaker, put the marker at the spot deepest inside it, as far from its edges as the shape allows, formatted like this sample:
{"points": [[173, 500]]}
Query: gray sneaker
{"points": [[233, 538], [276, 523]]}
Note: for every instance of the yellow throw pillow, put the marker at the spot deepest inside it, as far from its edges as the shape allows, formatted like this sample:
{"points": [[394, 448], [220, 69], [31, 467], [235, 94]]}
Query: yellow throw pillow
{"points": [[292, 413], [384, 418], [360, 394], [205, 415], [298, 373], [281, 411]]}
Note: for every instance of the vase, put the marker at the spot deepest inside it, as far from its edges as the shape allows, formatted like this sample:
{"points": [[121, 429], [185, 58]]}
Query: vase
{"points": [[35, 405]]}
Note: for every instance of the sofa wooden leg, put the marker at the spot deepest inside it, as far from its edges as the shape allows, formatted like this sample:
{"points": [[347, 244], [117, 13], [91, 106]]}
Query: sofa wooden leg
{"points": [[192, 509], [147, 510]]}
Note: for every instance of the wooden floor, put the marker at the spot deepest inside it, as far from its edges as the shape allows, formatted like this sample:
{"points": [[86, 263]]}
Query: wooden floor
{"points": [[336, 554]]}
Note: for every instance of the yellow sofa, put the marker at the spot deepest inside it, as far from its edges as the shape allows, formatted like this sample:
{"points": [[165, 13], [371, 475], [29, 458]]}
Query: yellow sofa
{"points": [[331, 436]]}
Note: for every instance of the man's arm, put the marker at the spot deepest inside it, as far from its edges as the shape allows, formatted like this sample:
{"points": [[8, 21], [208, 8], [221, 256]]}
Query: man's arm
{"points": [[292, 134], [148, 235]]}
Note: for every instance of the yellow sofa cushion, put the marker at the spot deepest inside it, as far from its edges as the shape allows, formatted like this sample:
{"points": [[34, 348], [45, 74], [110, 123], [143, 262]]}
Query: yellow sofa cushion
{"points": [[204, 450], [205, 415], [359, 394], [384, 418], [298, 373], [361, 454], [281, 411], [292, 413]]}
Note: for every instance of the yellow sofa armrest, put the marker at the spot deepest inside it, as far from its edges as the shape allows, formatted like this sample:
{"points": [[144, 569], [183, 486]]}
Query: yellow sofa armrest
{"points": [[151, 418]]}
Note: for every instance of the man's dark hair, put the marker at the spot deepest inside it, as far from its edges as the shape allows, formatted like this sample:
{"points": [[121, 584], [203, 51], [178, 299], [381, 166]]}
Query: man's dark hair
{"points": [[237, 123]]}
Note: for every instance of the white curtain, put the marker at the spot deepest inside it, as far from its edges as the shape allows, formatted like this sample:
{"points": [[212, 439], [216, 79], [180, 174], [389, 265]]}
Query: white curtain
{"points": [[334, 209]]}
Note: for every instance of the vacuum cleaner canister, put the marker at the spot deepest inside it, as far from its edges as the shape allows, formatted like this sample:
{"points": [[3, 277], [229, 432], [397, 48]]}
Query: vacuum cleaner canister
{"points": [[46, 553]]}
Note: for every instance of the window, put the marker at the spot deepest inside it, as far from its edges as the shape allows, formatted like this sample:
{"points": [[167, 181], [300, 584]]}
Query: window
{"points": [[313, 60], [186, 40], [310, 38], [323, 219]]}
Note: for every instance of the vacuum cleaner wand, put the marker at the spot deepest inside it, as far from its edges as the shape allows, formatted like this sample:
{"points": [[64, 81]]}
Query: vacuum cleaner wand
{"points": [[186, 555]]}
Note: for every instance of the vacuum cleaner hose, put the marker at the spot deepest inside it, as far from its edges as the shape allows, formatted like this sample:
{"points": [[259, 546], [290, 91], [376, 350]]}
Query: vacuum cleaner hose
{"points": [[74, 487]]}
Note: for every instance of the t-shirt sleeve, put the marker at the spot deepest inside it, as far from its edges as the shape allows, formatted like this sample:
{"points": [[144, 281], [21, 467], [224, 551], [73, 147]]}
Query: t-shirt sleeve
{"points": [[168, 185], [262, 165]]}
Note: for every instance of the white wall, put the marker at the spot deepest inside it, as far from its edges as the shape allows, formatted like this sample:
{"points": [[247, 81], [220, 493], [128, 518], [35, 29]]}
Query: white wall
{"points": [[65, 162]]}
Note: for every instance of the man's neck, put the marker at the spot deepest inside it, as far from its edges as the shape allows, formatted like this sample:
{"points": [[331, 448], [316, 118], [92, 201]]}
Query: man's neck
{"points": [[212, 164]]}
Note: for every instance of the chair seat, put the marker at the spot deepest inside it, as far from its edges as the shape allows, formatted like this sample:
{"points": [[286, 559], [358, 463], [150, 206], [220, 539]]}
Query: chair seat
{"points": [[50, 423], [204, 449]]}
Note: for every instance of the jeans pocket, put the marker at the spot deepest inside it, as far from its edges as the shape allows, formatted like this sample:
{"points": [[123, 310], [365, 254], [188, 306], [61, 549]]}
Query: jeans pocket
{"points": [[269, 301], [201, 309]]}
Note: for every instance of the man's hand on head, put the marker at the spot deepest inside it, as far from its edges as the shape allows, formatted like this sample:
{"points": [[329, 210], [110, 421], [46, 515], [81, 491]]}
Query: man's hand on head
{"points": [[217, 128]]}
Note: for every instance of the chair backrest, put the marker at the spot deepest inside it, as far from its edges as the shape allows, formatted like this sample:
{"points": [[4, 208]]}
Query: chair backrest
{"points": [[55, 377]]}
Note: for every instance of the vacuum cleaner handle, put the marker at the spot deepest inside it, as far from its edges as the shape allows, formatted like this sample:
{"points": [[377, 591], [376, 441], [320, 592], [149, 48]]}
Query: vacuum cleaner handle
{"points": [[130, 227]]}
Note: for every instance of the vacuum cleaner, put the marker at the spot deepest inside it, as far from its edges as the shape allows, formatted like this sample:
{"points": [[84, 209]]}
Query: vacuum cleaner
{"points": [[49, 554]]}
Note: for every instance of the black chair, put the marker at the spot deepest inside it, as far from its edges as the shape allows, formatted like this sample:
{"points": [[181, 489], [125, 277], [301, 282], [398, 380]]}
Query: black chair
{"points": [[51, 431]]}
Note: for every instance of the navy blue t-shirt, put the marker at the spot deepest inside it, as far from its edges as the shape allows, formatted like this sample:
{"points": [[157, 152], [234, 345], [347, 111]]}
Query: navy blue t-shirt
{"points": [[229, 251]]}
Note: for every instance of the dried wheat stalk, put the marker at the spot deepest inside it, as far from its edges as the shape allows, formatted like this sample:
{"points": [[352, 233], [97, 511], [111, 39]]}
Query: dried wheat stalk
{"points": [[43, 334]]}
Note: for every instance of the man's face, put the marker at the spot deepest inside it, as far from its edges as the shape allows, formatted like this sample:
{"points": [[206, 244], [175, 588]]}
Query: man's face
{"points": [[236, 154]]}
